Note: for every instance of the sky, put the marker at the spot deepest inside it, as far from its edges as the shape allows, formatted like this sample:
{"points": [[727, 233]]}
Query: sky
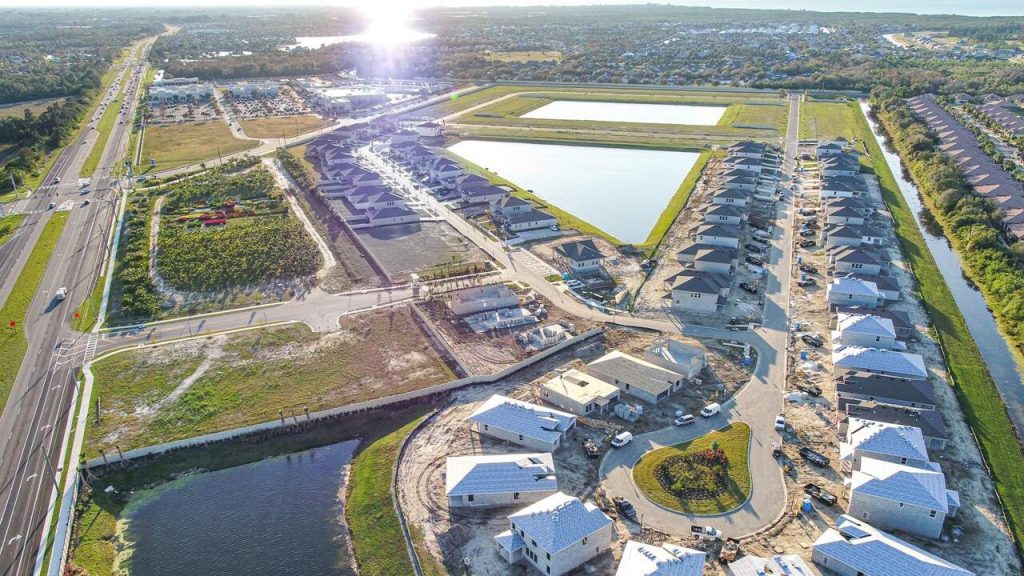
{"points": [[977, 8]]}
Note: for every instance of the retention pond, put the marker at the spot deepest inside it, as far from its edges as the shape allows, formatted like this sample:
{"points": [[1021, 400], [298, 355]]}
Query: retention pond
{"points": [[628, 112], [282, 515], [1002, 364]]}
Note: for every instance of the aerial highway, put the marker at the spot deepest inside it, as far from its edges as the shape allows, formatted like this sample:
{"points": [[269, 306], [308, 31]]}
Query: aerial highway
{"points": [[36, 415]]}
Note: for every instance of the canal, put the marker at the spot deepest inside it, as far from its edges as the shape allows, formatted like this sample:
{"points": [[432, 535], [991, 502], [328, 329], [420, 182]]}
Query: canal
{"points": [[282, 515], [1003, 365]]}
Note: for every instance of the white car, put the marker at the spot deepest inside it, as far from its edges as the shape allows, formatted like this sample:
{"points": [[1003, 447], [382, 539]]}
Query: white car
{"points": [[684, 420], [574, 284], [780, 422], [622, 439], [711, 409]]}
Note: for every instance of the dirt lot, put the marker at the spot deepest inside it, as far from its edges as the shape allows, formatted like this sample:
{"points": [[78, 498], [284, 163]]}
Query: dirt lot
{"points": [[453, 537], [624, 270], [985, 546], [406, 248]]}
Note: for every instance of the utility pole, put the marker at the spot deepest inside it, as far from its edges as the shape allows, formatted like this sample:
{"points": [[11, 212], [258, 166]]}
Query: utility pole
{"points": [[14, 185]]}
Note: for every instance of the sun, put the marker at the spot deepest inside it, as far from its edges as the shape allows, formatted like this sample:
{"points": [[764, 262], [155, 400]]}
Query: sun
{"points": [[388, 22]]}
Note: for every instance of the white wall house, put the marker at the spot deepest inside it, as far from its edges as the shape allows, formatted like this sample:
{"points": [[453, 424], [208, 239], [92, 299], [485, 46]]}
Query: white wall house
{"points": [[640, 559], [730, 198], [899, 497], [522, 423], [699, 292], [531, 220], [579, 393], [778, 565], [879, 361], [482, 298], [636, 377], [894, 443], [556, 535], [846, 291], [865, 330], [848, 260], [677, 357], [715, 260], [499, 480], [718, 235], [579, 255], [728, 214], [855, 548], [391, 215]]}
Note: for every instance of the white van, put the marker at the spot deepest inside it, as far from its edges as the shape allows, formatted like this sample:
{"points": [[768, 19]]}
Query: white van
{"points": [[711, 409], [622, 439]]}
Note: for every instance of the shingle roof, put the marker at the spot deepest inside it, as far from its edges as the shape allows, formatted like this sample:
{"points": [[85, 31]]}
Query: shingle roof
{"points": [[529, 216], [924, 488], [579, 250], [886, 389], [845, 285], [874, 553], [520, 417], [719, 230], [640, 559], [888, 362], [889, 439], [778, 565], [866, 324], [500, 474], [702, 282], [559, 521], [929, 421]]}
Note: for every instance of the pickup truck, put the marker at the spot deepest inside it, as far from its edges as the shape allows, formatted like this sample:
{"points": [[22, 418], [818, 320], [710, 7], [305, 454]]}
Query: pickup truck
{"points": [[820, 494], [812, 340], [816, 458], [705, 532], [625, 507]]}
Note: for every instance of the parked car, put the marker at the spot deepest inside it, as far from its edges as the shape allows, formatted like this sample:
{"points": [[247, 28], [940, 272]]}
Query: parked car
{"points": [[809, 389], [808, 244], [748, 287], [816, 458], [820, 494], [684, 420], [705, 532], [753, 247], [780, 422], [805, 282], [805, 232], [755, 260], [809, 268], [574, 284], [625, 507], [622, 439], [759, 240], [812, 340], [711, 409]]}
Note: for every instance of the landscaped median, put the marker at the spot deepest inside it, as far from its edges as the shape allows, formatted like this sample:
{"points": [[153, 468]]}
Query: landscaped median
{"points": [[707, 475], [12, 339], [983, 407]]}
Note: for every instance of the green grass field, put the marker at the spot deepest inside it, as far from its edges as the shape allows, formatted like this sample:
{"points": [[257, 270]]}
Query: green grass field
{"points": [[89, 309], [376, 532], [827, 120], [12, 340], [282, 126], [175, 145], [103, 128], [249, 377], [734, 440], [17, 109], [975, 390], [9, 226]]}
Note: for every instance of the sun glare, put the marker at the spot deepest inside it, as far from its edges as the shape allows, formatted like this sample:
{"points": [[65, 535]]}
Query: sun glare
{"points": [[388, 23]]}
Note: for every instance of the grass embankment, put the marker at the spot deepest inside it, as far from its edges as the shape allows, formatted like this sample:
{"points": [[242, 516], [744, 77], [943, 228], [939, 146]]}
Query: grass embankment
{"points": [[827, 120], [9, 227], [12, 341], [978, 396], [95, 542], [175, 145], [249, 377], [734, 440], [282, 126], [89, 310]]}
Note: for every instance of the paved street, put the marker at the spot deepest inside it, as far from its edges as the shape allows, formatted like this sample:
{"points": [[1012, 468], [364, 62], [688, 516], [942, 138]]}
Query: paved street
{"points": [[35, 418]]}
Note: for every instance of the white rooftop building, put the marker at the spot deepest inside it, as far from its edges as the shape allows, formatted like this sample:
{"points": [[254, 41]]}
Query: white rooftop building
{"points": [[579, 393], [883, 441], [865, 330], [856, 548], [845, 291], [482, 298], [789, 565], [556, 535], [639, 559], [677, 357], [522, 423], [877, 361], [499, 480], [896, 496]]}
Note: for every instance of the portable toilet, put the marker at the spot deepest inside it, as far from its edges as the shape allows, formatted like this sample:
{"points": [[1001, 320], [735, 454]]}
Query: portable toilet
{"points": [[803, 355]]}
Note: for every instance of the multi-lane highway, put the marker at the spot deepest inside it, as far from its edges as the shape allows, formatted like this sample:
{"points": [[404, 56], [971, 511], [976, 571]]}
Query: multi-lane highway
{"points": [[36, 415]]}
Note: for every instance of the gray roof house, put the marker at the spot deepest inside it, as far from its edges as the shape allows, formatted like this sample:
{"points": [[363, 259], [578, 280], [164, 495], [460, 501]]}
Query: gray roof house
{"points": [[636, 377], [778, 565], [851, 260], [897, 392], [499, 479], [718, 235], [732, 197], [900, 497], [555, 535], [846, 291], [640, 559], [865, 330], [930, 422], [699, 292], [532, 220], [855, 548], [724, 214], [579, 255], [878, 361], [882, 441], [522, 423]]}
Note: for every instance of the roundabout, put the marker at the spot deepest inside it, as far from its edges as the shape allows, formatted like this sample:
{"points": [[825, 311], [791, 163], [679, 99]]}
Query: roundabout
{"points": [[707, 475]]}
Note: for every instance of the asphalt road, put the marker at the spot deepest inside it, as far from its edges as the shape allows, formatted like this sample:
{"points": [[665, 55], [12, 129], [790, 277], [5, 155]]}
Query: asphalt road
{"points": [[35, 418]]}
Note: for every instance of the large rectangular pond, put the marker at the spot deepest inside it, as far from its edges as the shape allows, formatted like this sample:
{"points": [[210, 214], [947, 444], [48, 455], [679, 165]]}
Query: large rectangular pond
{"points": [[281, 515], [622, 191], [628, 112]]}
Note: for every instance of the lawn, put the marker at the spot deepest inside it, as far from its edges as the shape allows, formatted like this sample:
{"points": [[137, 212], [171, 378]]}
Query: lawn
{"points": [[249, 377], [827, 120], [175, 145], [95, 540], [282, 126], [376, 532], [977, 394], [12, 340], [678, 461], [9, 226]]}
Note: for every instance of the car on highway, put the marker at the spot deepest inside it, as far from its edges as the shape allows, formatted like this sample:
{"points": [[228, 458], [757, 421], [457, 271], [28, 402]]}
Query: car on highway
{"points": [[51, 206], [61, 294], [684, 420]]}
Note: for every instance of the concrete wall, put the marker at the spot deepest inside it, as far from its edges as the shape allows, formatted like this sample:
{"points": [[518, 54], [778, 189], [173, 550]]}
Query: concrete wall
{"points": [[576, 554], [516, 438], [867, 340], [701, 303], [887, 514], [499, 500]]}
